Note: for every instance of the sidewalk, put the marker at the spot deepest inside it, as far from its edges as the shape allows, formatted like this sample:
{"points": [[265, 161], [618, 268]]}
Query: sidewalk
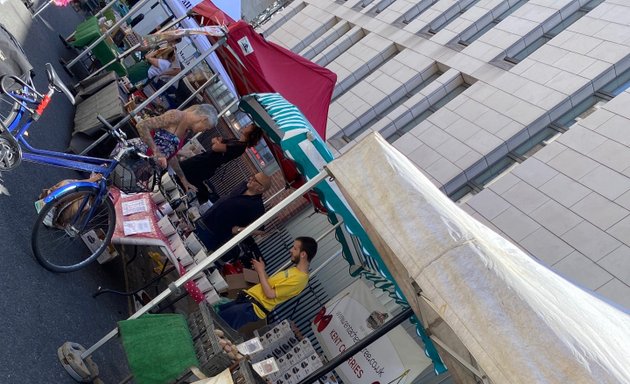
{"points": [[42, 310]]}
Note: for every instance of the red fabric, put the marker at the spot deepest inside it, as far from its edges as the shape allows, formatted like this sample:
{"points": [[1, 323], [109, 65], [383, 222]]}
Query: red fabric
{"points": [[211, 14], [156, 234], [272, 68]]}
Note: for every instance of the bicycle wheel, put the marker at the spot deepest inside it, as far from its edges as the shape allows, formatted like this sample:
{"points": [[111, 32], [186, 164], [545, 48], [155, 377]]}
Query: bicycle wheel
{"points": [[58, 236]]}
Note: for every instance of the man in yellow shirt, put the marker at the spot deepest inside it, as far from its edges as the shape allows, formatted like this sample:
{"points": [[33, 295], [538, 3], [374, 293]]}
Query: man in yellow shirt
{"points": [[256, 302]]}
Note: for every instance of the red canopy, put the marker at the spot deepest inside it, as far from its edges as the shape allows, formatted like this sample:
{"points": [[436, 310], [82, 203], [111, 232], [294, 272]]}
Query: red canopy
{"points": [[211, 15], [261, 66]]}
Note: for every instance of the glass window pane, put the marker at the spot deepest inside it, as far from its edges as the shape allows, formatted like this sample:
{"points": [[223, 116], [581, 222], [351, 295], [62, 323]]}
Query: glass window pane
{"points": [[542, 40], [618, 85], [493, 171], [397, 104], [569, 118]]}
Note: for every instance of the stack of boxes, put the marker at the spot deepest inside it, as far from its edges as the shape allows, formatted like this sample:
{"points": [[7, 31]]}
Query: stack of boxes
{"points": [[188, 250], [296, 359]]}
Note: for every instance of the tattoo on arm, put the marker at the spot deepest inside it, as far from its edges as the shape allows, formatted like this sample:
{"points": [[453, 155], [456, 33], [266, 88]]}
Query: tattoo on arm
{"points": [[163, 121], [174, 163]]}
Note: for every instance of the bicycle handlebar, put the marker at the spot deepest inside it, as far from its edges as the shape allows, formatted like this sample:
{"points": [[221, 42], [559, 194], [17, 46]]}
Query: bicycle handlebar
{"points": [[121, 136], [116, 132]]}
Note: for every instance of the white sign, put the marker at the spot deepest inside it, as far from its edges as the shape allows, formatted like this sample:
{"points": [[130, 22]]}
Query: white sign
{"points": [[245, 45], [352, 315], [132, 227], [134, 206]]}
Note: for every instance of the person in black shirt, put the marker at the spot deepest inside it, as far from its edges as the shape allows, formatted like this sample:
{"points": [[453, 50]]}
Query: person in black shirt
{"points": [[231, 214], [193, 171]]}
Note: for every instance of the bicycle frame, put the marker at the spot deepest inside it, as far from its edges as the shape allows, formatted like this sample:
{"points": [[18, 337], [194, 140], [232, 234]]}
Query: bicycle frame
{"points": [[42, 156], [55, 158]]}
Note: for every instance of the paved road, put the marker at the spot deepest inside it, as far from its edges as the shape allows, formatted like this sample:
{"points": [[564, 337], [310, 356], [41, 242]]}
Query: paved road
{"points": [[41, 310]]}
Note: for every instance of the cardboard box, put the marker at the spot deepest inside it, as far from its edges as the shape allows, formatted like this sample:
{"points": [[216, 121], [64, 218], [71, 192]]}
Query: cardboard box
{"points": [[218, 282], [94, 240], [212, 297], [204, 284], [243, 280], [236, 282]]}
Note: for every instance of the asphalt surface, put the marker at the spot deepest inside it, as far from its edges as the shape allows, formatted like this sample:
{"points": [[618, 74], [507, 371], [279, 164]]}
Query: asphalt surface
{"points": [[41, 310]]}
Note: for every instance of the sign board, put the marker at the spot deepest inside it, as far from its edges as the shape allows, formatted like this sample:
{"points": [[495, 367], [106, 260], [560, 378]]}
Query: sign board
{"points": [[245, 45], [352, 315]]}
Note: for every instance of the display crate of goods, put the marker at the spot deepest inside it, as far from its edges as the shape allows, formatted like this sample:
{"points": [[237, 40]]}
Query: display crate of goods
{"points": [[245, 374], [215, 347]]}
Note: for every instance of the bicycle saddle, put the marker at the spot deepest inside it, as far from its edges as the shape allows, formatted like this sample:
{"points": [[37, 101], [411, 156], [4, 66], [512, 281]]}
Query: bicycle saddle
{"points": [[57, 84]]}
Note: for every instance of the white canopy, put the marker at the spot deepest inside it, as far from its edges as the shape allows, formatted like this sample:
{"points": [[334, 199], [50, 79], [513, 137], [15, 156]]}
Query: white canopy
{"points": [[496, 307]]}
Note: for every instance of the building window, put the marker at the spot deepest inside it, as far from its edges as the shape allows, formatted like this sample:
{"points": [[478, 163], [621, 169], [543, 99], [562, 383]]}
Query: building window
{"points": [[426, 113], [395, 105], [543, 138], [564, 24], [435, 28], [492, 24], [367, 69], [504, 165], [416, 11]]}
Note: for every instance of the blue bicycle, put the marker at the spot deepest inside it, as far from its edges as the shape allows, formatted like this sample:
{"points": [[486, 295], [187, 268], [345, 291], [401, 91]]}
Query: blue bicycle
{"points": [[78, 212]]}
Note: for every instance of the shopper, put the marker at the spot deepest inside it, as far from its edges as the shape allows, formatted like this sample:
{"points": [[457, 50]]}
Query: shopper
{"points": [[193, 171], [231, 214], [256, 303], [159, 66], [162, 136]]}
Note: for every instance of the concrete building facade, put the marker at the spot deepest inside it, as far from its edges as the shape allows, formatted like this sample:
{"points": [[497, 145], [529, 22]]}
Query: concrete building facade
{"points": [[516, 109]]}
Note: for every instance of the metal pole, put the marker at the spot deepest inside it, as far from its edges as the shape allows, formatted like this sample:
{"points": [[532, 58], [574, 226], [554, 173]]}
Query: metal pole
{"points": [[198, 91], [324, 264], [357, 347], [274, 195], [228, 107], [205, 263], [97, 16], [131, 50], [42, 8], [157, 93], [459, 359], [107, 33]]}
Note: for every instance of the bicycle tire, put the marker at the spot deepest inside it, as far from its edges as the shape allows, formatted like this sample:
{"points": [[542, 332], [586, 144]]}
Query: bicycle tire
{"points": [[57, 240]]}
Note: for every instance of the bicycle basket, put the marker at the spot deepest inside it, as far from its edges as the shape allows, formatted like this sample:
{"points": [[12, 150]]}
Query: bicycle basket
{"points": [[134, 174]]}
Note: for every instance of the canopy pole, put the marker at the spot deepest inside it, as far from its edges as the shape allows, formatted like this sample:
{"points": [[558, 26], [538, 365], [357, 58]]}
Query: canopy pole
{"points": [[197, 91], [460, 359], [174, 286], [132, 49], [97, 16], [106, 34], [448, 350], [358, 346]]}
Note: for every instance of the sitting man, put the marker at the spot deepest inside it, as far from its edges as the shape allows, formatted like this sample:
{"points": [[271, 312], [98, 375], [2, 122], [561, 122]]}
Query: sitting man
{"points": [[256, 303], [231, 214]]}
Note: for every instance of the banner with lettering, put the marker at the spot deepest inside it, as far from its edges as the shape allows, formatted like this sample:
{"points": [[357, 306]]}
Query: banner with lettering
{"points": [[349, 317]]}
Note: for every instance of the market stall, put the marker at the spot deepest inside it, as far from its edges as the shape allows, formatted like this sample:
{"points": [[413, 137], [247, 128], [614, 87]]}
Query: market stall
{"points": [[498, 314]]}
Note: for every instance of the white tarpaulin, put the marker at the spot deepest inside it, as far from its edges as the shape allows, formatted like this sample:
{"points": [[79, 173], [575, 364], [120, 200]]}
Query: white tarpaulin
{"points": [[350, 316], [503, 312]]}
